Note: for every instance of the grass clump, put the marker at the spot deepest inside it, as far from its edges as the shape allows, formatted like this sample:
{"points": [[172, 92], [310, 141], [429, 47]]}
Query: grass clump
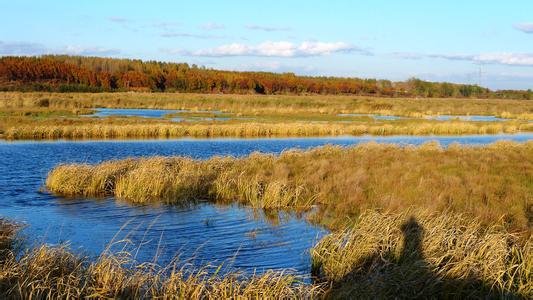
{"points": [[491, 182], [412, 254], [56, 273], [85, 128], [424, 255]]}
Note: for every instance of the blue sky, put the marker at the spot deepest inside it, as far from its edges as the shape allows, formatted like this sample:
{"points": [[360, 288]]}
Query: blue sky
{"points": [[486, 42]]}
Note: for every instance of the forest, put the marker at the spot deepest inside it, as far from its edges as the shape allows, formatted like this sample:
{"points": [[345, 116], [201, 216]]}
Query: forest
{"points": [[61, 73]]}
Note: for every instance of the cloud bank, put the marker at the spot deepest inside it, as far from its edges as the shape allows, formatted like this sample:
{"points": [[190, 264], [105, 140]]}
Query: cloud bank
{"points": [[501, 58], [278, 49]]}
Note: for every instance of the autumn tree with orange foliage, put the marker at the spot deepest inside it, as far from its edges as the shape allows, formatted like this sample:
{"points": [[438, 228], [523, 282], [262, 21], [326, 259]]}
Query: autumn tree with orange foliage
{"points": [[95, 74]]}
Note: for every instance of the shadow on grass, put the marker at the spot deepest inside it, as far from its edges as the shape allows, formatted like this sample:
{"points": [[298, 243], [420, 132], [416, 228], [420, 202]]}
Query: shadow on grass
{"points": [[409, 276]]}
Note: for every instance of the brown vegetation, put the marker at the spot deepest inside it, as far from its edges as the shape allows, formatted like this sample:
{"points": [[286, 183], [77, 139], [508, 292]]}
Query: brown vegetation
{"points": [[93, 74], [492, 182], [416, 254]]}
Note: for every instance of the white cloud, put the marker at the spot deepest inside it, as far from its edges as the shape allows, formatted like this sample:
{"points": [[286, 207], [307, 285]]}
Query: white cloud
{"points": [[267, 28], [278, 49], [453, 56], [212, 26], [94, 51], [524, 27], [512, 59], [501, 58], [25, 48]]}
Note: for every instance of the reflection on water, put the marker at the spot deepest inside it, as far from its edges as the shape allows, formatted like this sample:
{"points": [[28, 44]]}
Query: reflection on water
{"points": [[207, 232]]}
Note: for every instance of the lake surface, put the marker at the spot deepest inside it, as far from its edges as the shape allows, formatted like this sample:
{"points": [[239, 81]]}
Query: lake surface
{"points": [[242, 238]]}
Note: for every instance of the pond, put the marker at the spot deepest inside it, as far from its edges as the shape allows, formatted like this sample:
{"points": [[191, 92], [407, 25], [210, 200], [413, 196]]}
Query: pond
{"points": [[160, 114], [473, 118], [373, 116], [237, 236]]}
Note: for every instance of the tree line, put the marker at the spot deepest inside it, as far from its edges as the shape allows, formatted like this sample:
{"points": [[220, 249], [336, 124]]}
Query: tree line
{"points": [[62, 73]]}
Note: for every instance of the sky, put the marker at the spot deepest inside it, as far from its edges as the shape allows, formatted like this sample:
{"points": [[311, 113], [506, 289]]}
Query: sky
{"points": [[480, 42]]}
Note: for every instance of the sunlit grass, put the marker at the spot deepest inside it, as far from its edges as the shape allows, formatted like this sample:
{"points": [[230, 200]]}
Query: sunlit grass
{"points": [[121, 128], [412, 254], [47, 272], [491, 182], [57, 116], [280, 104], [416, 254]]}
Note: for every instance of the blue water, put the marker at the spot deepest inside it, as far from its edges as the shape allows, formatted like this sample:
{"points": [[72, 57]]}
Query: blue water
{"points": [[243, 238], [469, 118], [158, 114], [373, 116], [473, 118], [133, 112]]}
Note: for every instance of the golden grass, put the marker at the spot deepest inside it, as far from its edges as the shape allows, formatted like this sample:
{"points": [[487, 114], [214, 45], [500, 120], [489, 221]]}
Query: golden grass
{"points": [[56, 273], [424, 255], [250, 129], [56, 116], [47, 272], [409, 222], [412, 254], [277, 104], [491, 182]]}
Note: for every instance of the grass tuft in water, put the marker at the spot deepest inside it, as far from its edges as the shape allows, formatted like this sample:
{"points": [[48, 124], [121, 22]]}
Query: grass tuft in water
{"points": [[491, 182]]}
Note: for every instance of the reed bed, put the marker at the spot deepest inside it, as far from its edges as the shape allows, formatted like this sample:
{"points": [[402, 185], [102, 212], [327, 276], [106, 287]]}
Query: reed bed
{"points": [[491, 182], [56, 116], [251, 129], [412, 254], [277, 104], [57, 273], [416, 254]]}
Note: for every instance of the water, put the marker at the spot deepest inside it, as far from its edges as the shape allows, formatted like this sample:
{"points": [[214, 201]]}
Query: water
{"points": [[473, 118], [469, 118], [133, 112], [157, 114], [375, 117], [160, 114], [207, 232]]}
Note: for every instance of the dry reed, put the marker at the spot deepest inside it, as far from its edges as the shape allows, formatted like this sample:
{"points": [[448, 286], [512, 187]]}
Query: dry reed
{"points": [[424, 255], [491, 182], [251, 129]]}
